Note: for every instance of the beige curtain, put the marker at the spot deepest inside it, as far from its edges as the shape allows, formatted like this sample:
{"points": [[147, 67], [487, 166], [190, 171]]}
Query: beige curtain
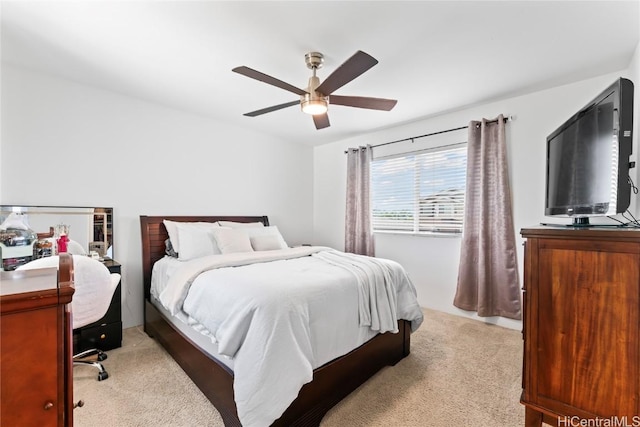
{"points": [[358, 235], [488, 280]]}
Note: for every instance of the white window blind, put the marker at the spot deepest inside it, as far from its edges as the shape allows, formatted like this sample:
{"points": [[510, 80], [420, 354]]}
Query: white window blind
{"points": [[420, 192]]}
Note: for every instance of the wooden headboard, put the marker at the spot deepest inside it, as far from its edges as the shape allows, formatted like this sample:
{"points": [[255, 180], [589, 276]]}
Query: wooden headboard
{"points": [[154, 234]]}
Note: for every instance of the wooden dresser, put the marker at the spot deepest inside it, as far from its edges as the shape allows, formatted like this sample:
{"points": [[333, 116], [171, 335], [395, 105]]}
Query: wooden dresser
{"points": [[36, 377], [581, 326]]}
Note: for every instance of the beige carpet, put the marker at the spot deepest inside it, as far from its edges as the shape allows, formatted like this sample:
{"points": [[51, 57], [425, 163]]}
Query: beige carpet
{"points": [[460, 373]]}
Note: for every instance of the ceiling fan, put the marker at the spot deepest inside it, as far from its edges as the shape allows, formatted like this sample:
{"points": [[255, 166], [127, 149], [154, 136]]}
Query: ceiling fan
{"points": [[315, 99]]}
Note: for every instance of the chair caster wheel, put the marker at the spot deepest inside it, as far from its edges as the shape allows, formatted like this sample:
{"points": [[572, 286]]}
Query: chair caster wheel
{"points": [[102, 356], [103, 376]]}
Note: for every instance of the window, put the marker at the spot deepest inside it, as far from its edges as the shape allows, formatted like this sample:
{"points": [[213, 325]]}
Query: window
{"points": [[420, 192]]}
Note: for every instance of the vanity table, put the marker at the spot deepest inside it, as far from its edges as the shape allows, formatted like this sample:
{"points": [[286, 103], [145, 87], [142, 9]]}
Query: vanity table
{"points": [[92, 229]]}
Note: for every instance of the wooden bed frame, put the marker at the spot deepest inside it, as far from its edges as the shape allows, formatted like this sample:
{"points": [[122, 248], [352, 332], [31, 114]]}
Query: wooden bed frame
{"points": [[331, 382]]}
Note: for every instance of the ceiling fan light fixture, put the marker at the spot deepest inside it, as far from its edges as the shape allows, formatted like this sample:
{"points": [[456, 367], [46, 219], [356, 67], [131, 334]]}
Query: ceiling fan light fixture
{"points": [[313, 102], [315, 106]]}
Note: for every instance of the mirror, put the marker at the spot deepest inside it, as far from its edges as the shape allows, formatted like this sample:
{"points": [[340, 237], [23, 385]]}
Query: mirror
{"points": [[88, 229]]}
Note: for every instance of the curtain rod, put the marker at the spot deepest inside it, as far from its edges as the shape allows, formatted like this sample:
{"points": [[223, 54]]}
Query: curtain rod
{"points": [[505, 119]]}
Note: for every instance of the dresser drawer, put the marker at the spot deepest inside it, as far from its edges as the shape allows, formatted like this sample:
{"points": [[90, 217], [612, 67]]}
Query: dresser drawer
{"points": [[103, 337]]}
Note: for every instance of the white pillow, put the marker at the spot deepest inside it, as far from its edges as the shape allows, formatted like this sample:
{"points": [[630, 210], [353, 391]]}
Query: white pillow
{"points": [[256, 236], [265, 243], [232, 240], [233, 224], [172, 230], [195, 242]]}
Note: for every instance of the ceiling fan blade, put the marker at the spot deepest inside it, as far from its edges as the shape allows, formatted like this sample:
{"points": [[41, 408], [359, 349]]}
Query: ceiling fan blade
{"points": [[250, 72], [272, 108], [321, 121], [363, 102], [349, 70]]}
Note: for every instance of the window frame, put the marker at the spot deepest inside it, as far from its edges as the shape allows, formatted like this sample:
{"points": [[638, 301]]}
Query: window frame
{"points": [[417, 209]]}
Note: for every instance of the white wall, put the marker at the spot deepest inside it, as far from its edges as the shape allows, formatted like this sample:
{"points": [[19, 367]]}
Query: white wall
{"points": [[432, 262], [73, 145], [69, 144]]}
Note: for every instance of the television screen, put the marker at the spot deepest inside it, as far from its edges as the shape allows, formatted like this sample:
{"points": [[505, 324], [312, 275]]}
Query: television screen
{"points": [[588, 158]]}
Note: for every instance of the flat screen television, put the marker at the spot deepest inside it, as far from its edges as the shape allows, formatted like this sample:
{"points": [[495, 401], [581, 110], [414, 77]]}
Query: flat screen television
{"points": [[588, 158]]}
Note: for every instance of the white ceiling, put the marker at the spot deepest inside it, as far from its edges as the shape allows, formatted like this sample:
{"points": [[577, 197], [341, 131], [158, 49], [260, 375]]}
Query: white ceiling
{"points": [[434, 56]]}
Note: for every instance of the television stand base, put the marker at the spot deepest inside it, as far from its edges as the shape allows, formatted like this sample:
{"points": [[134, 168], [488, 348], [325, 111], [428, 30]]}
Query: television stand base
{"points": [[583, 225]]}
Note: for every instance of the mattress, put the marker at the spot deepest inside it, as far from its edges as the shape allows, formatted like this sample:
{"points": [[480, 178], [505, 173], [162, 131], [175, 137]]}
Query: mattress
{"points": [[163, 270], [195, 332]]}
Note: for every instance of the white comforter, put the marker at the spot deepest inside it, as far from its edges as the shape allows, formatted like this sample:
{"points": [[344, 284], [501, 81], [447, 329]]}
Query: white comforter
{"points": [[287, 312]]}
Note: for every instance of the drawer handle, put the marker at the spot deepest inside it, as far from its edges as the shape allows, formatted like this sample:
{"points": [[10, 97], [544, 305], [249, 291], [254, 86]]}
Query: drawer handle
{"points": [[103, 336], [48, 406]]}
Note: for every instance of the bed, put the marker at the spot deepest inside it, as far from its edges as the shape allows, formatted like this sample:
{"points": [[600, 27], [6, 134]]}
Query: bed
{"points": [[330, 382]]}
